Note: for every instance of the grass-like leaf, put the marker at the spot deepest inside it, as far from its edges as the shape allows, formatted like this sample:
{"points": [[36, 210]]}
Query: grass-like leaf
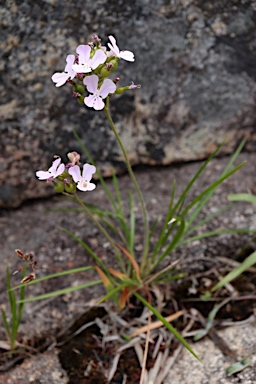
{"points": [[89, 250], [53, 275], [247, 263], [6, 325], [215, 233], [244, 197], [238, 366], [61, 291], [173, 244], [167, 325], [202, 203], [210, 188]]}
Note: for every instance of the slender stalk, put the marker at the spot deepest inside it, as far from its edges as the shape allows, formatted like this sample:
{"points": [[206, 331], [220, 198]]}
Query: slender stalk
{"points": [[102, 229], [137, 188]]}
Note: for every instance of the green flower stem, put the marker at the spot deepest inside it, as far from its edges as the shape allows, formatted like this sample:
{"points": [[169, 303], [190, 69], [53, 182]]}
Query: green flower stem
{"points": [[137, 188], [102, 230]]}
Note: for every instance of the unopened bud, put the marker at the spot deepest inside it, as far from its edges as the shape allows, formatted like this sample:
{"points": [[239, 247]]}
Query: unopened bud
{"points": [[70, 188], [105, 72], [121, 90], [80, 100], [59, 187], [74, 157], [113, 64], [79, 88]]}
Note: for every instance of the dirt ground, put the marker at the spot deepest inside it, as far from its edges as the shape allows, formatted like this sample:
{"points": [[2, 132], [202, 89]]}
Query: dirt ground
{"points": [[36, 227]]}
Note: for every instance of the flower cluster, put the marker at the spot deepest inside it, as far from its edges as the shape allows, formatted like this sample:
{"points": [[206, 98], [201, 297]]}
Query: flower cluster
{"points": [[89, 70], [67, 178]]}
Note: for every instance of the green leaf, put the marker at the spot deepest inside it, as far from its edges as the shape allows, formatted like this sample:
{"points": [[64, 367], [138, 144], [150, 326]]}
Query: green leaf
{"points": [[61, 291], [89, 250], [113, 292], [178, 235], [53, 275], [245, 197], [7, 328], [163, 234], [203, 332], [132, 225], [215, 233], [210, 188], [167, 325], [238, 367], [181, 200], [247, 263]]}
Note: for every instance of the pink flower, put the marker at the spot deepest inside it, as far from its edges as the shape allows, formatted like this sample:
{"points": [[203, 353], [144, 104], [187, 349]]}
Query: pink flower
{"points": [[95, 100], [85, 63], [125, 55], [61, 78], [54, 171], [83, 181]]}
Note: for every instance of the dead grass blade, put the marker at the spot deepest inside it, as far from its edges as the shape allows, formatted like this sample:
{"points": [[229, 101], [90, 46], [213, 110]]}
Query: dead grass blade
{"points": [[156, 324]]}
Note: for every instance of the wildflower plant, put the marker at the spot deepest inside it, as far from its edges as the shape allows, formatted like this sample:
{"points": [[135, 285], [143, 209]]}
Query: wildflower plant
{"points": [[91, 75]]}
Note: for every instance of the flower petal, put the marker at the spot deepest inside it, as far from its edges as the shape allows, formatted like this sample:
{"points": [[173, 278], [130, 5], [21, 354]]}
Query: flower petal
{"points": [[90, 100], [98, 58], [90, 186], [113, 46], [83, 185], [70, 61], [81, 68], [98, 104], [84, 53], [91, 83], [43, 175], [60, 170], [75, 173], [55, 165], [127, 55], [60, 78], [107, 87], [88, 171]]}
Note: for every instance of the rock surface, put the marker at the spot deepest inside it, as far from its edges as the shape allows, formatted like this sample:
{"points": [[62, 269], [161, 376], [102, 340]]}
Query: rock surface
{"points": [[213, 370], [195, 61]]}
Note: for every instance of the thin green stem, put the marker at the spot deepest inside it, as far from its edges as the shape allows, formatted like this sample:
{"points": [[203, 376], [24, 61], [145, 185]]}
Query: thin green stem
{"points": [[137, 188], [102, 229]]}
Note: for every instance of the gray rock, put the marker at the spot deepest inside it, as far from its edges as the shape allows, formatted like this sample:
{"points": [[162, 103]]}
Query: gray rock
{"points": [[195, 61]]}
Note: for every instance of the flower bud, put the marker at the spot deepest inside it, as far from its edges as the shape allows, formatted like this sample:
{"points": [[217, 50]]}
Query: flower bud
{"points": [[62, 176], [121, 90], [105, 72], [80, 100], [79, 88], [113, 64], [70, 188], [74, 157], [58, 187]]}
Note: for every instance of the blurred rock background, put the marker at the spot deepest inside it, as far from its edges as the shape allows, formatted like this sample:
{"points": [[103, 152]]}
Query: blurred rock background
{"points": [[195, 60]]}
